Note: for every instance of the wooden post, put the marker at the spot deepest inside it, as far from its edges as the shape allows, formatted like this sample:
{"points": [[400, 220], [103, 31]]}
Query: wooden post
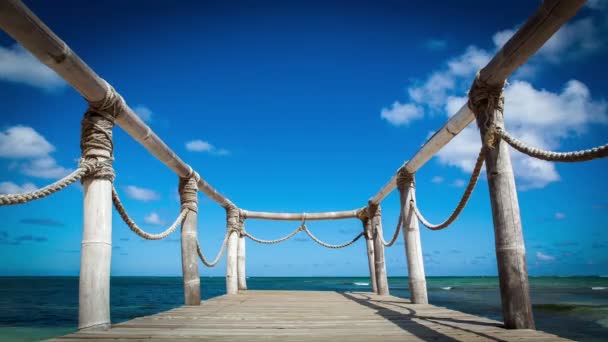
{"points": [[367, 227], [232, 223], [411, 236], [375, 212], [192, 282], [508, 236], [96, 250], [242, 275]]}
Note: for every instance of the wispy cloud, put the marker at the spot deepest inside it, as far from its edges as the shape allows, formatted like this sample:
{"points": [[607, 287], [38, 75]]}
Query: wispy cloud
{"points": [[198, 145], [31, 152], [143, 112], [400, 114], [12, 188], [154, 219], [567, 113], [19, 66], [559, 216], [540, 256], [141, 194], [437, 179], [42, 222]]}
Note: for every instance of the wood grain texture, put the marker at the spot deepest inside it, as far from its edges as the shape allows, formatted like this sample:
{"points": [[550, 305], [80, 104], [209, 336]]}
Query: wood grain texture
{"points": [[311, 316], [241, 264], [413, 247], [379, 259], [508, 234], [371, 260], [190, 273]]}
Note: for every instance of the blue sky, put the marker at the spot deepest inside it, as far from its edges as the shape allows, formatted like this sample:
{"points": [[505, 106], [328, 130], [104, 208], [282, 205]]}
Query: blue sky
{"points": [[302, 107]]}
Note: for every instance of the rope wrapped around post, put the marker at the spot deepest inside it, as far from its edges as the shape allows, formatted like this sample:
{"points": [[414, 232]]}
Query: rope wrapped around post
{"points": [[96, 246]]}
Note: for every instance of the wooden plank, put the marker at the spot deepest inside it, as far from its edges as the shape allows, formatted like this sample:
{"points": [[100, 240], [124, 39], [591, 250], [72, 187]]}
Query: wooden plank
{"points": [[311, 316], [333, 215]]}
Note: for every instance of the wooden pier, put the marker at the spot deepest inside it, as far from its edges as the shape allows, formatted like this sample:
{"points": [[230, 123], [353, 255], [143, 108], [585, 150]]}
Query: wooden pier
{"points": [[311, 316]]}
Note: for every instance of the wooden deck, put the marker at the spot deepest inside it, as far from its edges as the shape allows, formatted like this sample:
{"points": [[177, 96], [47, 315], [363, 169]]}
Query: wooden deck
{"points": [[311, 316]]}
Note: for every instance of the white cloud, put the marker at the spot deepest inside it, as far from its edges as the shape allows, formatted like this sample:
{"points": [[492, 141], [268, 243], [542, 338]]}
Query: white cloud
{"points": [[538, 117], [23, 142], [203, 146], [141, 194], [12, 188], [45, 167], [540, 256], [459, 183], [154, 219], [559, 216], [437, 179], [199, 146], [143, 112], [402, 114], [19, 66]]}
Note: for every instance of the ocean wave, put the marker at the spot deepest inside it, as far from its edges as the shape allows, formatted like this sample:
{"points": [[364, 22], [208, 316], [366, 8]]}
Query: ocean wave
{"points": [[599, 288], [447, 288], [360, 284]]}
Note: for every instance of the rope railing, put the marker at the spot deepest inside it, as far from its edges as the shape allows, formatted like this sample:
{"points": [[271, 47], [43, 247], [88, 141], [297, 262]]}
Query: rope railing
{"points": [[564, 157], [275, 241], [463, 200], [204, 260], [136, 229], [327, 245], [85, 167], [395, 234]]}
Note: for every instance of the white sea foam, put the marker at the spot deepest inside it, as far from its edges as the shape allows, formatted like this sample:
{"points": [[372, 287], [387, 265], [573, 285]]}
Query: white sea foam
{"points": [[599, 288], [361, 284], [447, 288]]}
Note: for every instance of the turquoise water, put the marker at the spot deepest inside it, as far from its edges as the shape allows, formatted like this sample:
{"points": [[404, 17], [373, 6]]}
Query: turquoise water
{"points": [[34, 308]]}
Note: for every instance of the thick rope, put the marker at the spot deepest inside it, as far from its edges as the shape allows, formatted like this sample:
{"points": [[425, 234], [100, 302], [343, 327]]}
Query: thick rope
{"points": [[206, 262], [396, 234], [96, 133], [327, 245], [485, 99], [84, 168], [272, 242], [463, 200], [566, 157], [133, 226]]}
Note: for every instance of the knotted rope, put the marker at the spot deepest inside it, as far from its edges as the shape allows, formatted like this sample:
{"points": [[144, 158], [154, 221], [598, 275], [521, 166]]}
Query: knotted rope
{"points": [[463, 200], [484, 101], [96, 133], [188, 191], [96, 146]]}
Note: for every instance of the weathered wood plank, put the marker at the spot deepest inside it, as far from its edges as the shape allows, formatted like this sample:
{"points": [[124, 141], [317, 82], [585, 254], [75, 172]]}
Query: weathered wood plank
{"points": [[311, 316]]}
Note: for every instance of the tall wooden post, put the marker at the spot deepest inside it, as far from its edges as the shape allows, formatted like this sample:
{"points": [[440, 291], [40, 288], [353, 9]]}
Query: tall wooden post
{"points": [[241, 271], [232, 224], [510, 248], [188, 191], [375, 212], [369, 241], [96, 248], [411, 236]]}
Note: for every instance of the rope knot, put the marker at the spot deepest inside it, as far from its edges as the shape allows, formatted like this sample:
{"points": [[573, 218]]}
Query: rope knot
{"points": [[188, 191], [96, 133], [484, 101], [404, 178]]}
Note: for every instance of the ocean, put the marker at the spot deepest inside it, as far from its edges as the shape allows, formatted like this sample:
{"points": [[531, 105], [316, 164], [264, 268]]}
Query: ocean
{"points": [[35, 308]]}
